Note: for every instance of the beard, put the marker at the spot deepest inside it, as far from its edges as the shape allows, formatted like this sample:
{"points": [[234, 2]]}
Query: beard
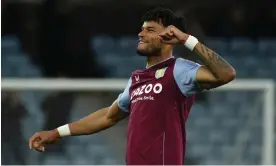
{"points": [[148, 51]]}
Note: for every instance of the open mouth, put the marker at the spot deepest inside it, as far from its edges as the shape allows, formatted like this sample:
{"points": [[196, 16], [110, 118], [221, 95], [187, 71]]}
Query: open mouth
{"points": [[142, 41]]}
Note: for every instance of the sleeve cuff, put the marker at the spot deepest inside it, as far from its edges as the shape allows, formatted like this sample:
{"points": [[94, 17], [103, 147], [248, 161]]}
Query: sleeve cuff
{"points": [[121, 104]]}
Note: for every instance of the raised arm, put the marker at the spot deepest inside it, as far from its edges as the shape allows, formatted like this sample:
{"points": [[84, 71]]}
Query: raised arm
{"points": [[215, 72], [93, 123]]}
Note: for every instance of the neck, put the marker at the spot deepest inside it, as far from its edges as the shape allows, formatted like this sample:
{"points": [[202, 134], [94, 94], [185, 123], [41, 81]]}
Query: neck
{"points": [[153, 60]]}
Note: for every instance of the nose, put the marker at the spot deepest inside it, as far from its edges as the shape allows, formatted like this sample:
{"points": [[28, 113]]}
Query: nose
{"points": [[141, 34]]}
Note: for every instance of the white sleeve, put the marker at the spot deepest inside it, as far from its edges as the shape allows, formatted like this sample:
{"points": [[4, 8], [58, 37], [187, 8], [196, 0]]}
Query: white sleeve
{"points": [[124, 98], [185, 76]]}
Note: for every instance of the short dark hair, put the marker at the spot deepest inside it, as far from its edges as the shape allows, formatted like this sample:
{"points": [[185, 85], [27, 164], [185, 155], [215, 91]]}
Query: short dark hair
{"points": [[165, 17]]}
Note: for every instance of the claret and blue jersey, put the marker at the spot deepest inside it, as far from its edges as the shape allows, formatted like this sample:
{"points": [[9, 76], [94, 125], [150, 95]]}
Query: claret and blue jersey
{"points": [[159, 99]]}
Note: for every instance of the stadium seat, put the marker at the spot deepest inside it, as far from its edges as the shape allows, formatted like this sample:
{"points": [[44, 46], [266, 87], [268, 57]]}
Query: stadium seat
{"points": [[9, 45], [82, 160], [267, 46], [213, 129], [243, 46], [14, 62], [219, 45], [127, 46], [109, 161], [55, 160], [102, 44], [200, 150]]}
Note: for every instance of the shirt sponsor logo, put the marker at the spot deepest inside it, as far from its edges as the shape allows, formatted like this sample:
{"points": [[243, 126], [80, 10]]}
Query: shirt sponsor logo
{"points": [[146, 89]]}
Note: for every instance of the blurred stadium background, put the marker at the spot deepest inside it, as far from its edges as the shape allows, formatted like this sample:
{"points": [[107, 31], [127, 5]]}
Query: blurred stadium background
{"points": [[79, 39]]}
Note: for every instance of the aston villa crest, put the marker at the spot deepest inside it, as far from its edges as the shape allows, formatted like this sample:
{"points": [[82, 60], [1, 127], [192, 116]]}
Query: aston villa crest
{"points": [[160, 73]]}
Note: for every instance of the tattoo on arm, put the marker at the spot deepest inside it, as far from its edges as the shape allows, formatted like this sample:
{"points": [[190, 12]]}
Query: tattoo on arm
{"points": [[213, 60], [214, 57]]}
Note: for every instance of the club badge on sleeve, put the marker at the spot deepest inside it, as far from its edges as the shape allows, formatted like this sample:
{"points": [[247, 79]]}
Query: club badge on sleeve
{"points": [[160, 73]]}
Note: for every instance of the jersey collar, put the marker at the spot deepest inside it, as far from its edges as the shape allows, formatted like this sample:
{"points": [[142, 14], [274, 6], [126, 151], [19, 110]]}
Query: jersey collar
{"points": [[148, 67]]}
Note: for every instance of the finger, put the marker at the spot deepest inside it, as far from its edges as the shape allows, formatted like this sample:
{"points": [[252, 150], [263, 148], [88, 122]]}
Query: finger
{"points": [[31, 142], [171, 41], [166, 33], [40, 149], [32, 139], [170, 33], [35, 142], [40, 142], [162, 34], [166, 37], [166, 41]]}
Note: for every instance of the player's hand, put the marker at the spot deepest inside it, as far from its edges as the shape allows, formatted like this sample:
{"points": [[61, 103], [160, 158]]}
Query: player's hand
{"points": [[40, 140], [172, 35]]}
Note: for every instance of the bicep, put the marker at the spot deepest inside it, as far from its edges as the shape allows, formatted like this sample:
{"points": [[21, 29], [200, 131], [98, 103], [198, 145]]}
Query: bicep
{"points": [[205, 79]]}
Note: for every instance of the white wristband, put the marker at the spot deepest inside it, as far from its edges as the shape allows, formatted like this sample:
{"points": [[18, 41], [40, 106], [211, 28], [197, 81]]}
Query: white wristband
{"points": [[191, 42], [64, 130]]}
